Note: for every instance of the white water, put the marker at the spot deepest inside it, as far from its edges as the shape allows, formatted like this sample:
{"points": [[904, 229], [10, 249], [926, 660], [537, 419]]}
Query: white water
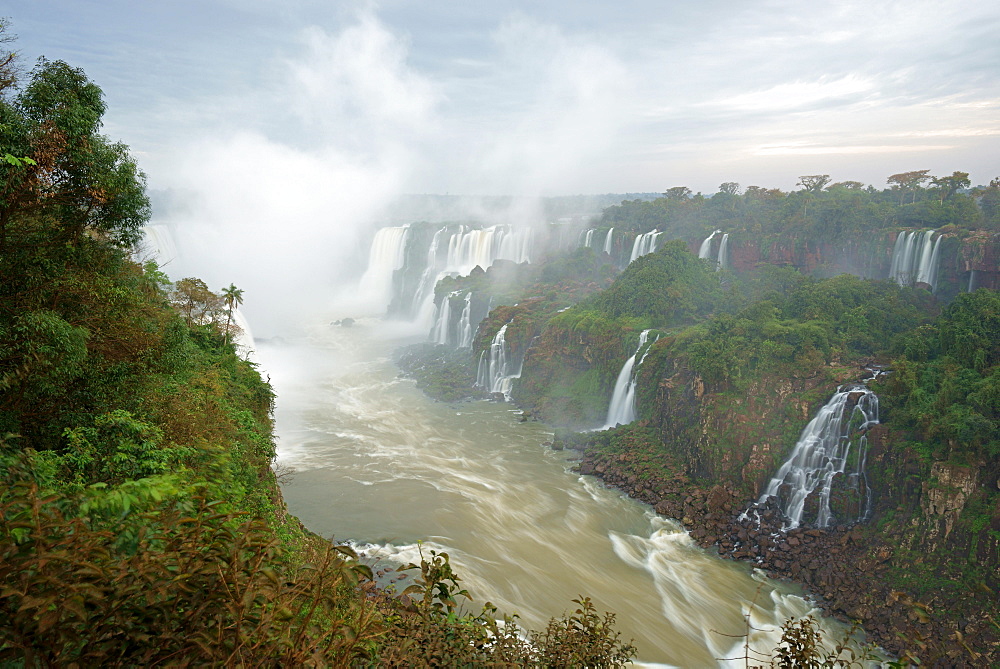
{"points": [[588, 238], [705, 250], [621, 409], [497, 368], [453, 251], [915, 258], [157, 242], [378, 463], [442, 321], [608, 240], [386, 255], [644, 244], [723, 261], [823, 451]]}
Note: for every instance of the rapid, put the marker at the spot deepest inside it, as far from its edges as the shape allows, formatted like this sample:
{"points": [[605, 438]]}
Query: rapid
{"points": [[381, 465]]}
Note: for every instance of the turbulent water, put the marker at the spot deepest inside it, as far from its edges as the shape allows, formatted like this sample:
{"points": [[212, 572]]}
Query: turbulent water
{"points": [[378, 463]]}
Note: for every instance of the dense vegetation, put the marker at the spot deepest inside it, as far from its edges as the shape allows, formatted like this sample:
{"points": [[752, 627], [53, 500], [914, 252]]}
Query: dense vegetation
{"points": [[142, 522], [742, 356], [841, 211]]}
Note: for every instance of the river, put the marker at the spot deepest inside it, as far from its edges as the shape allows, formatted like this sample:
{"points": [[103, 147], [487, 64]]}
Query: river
{"points": [[378, 463]]}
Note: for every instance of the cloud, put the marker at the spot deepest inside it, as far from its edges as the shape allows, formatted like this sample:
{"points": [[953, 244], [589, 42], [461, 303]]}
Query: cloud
{"points": [[283, 210], [820, 150], [798, 95]]}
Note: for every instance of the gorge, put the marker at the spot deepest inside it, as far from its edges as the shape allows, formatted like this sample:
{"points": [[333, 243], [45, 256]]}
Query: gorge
{"points": [[707, 413]]}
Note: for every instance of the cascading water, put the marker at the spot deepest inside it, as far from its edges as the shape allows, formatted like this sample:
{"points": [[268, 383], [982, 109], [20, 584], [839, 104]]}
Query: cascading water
{"points": [[442, 321], [723, 252], [915, 258], [588, 238], [428, 278], [465, 331], [608, 240], [822, 452], [705, 250], [401, 276], [621, 410], [387, 255], [159, 242], [644, 244], [497, 371]]}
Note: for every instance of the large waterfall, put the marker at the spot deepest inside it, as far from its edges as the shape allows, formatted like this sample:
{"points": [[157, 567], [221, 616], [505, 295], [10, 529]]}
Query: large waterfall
{"points": [[386, 255], [915, 258], [621, 410], [497, 368], [406, 262], [824, 451], [705, 250], [644, 244], [608, 240]]}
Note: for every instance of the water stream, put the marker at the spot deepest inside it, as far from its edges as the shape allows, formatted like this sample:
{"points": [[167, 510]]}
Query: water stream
{"points": [[379, 463]]}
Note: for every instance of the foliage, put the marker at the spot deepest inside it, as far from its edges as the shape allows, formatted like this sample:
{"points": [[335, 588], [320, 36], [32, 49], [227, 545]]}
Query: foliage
{"points": [[945, 389], [665, 288], [196, 587]]}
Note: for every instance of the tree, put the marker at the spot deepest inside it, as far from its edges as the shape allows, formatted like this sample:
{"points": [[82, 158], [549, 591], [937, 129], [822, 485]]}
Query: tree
{"points": [[849, 185], [989, 201], [77, 182], [729, 188], [948, 186], [814, 183], [8, 59], [678, 193], [196, 303], [908, 181], [233, 297]]}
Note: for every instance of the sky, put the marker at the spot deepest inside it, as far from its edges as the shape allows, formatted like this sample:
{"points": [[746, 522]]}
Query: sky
{"points": [[546, 98], [307, 116]]}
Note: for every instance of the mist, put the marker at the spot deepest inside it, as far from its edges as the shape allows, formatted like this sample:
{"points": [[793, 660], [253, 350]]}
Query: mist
{"points": [[289, 220]]}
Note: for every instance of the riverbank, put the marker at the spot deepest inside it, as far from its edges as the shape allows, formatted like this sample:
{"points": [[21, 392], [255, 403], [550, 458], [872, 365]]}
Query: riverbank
{"points": [[845, 568]]}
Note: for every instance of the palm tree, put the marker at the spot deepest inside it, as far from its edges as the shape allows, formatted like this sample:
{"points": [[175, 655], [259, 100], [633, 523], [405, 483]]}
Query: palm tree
{"points": [[233, 297]]}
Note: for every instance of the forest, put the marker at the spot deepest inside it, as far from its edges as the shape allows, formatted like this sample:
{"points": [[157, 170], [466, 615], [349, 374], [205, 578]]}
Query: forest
{"points": [[140, 503]]}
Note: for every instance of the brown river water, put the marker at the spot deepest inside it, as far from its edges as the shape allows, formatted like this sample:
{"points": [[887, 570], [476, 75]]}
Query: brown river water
{"points": [[378, 463]]}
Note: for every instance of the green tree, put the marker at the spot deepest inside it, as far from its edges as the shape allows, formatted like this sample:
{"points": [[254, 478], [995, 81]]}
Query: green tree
{"points": [[233, 297], [908, 182], [948, 186], [814, 183], [677, 193]]}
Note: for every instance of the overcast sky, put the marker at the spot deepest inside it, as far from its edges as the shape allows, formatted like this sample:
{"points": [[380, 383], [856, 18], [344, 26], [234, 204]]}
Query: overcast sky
{"points": [[544, 97]]}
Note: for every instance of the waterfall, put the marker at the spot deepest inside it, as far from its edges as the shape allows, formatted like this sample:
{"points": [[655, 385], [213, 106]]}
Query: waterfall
{"points": [[706, 246], [158, 241], [972, 280], [402, 277], [723, 252], [497, 372], [608, 240], [644, 244], [588, 238], [823, 451], [929, 258], [387, 254], [915, 258], [465, 331], [442, 320], [621, 410], [429, 277]]}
